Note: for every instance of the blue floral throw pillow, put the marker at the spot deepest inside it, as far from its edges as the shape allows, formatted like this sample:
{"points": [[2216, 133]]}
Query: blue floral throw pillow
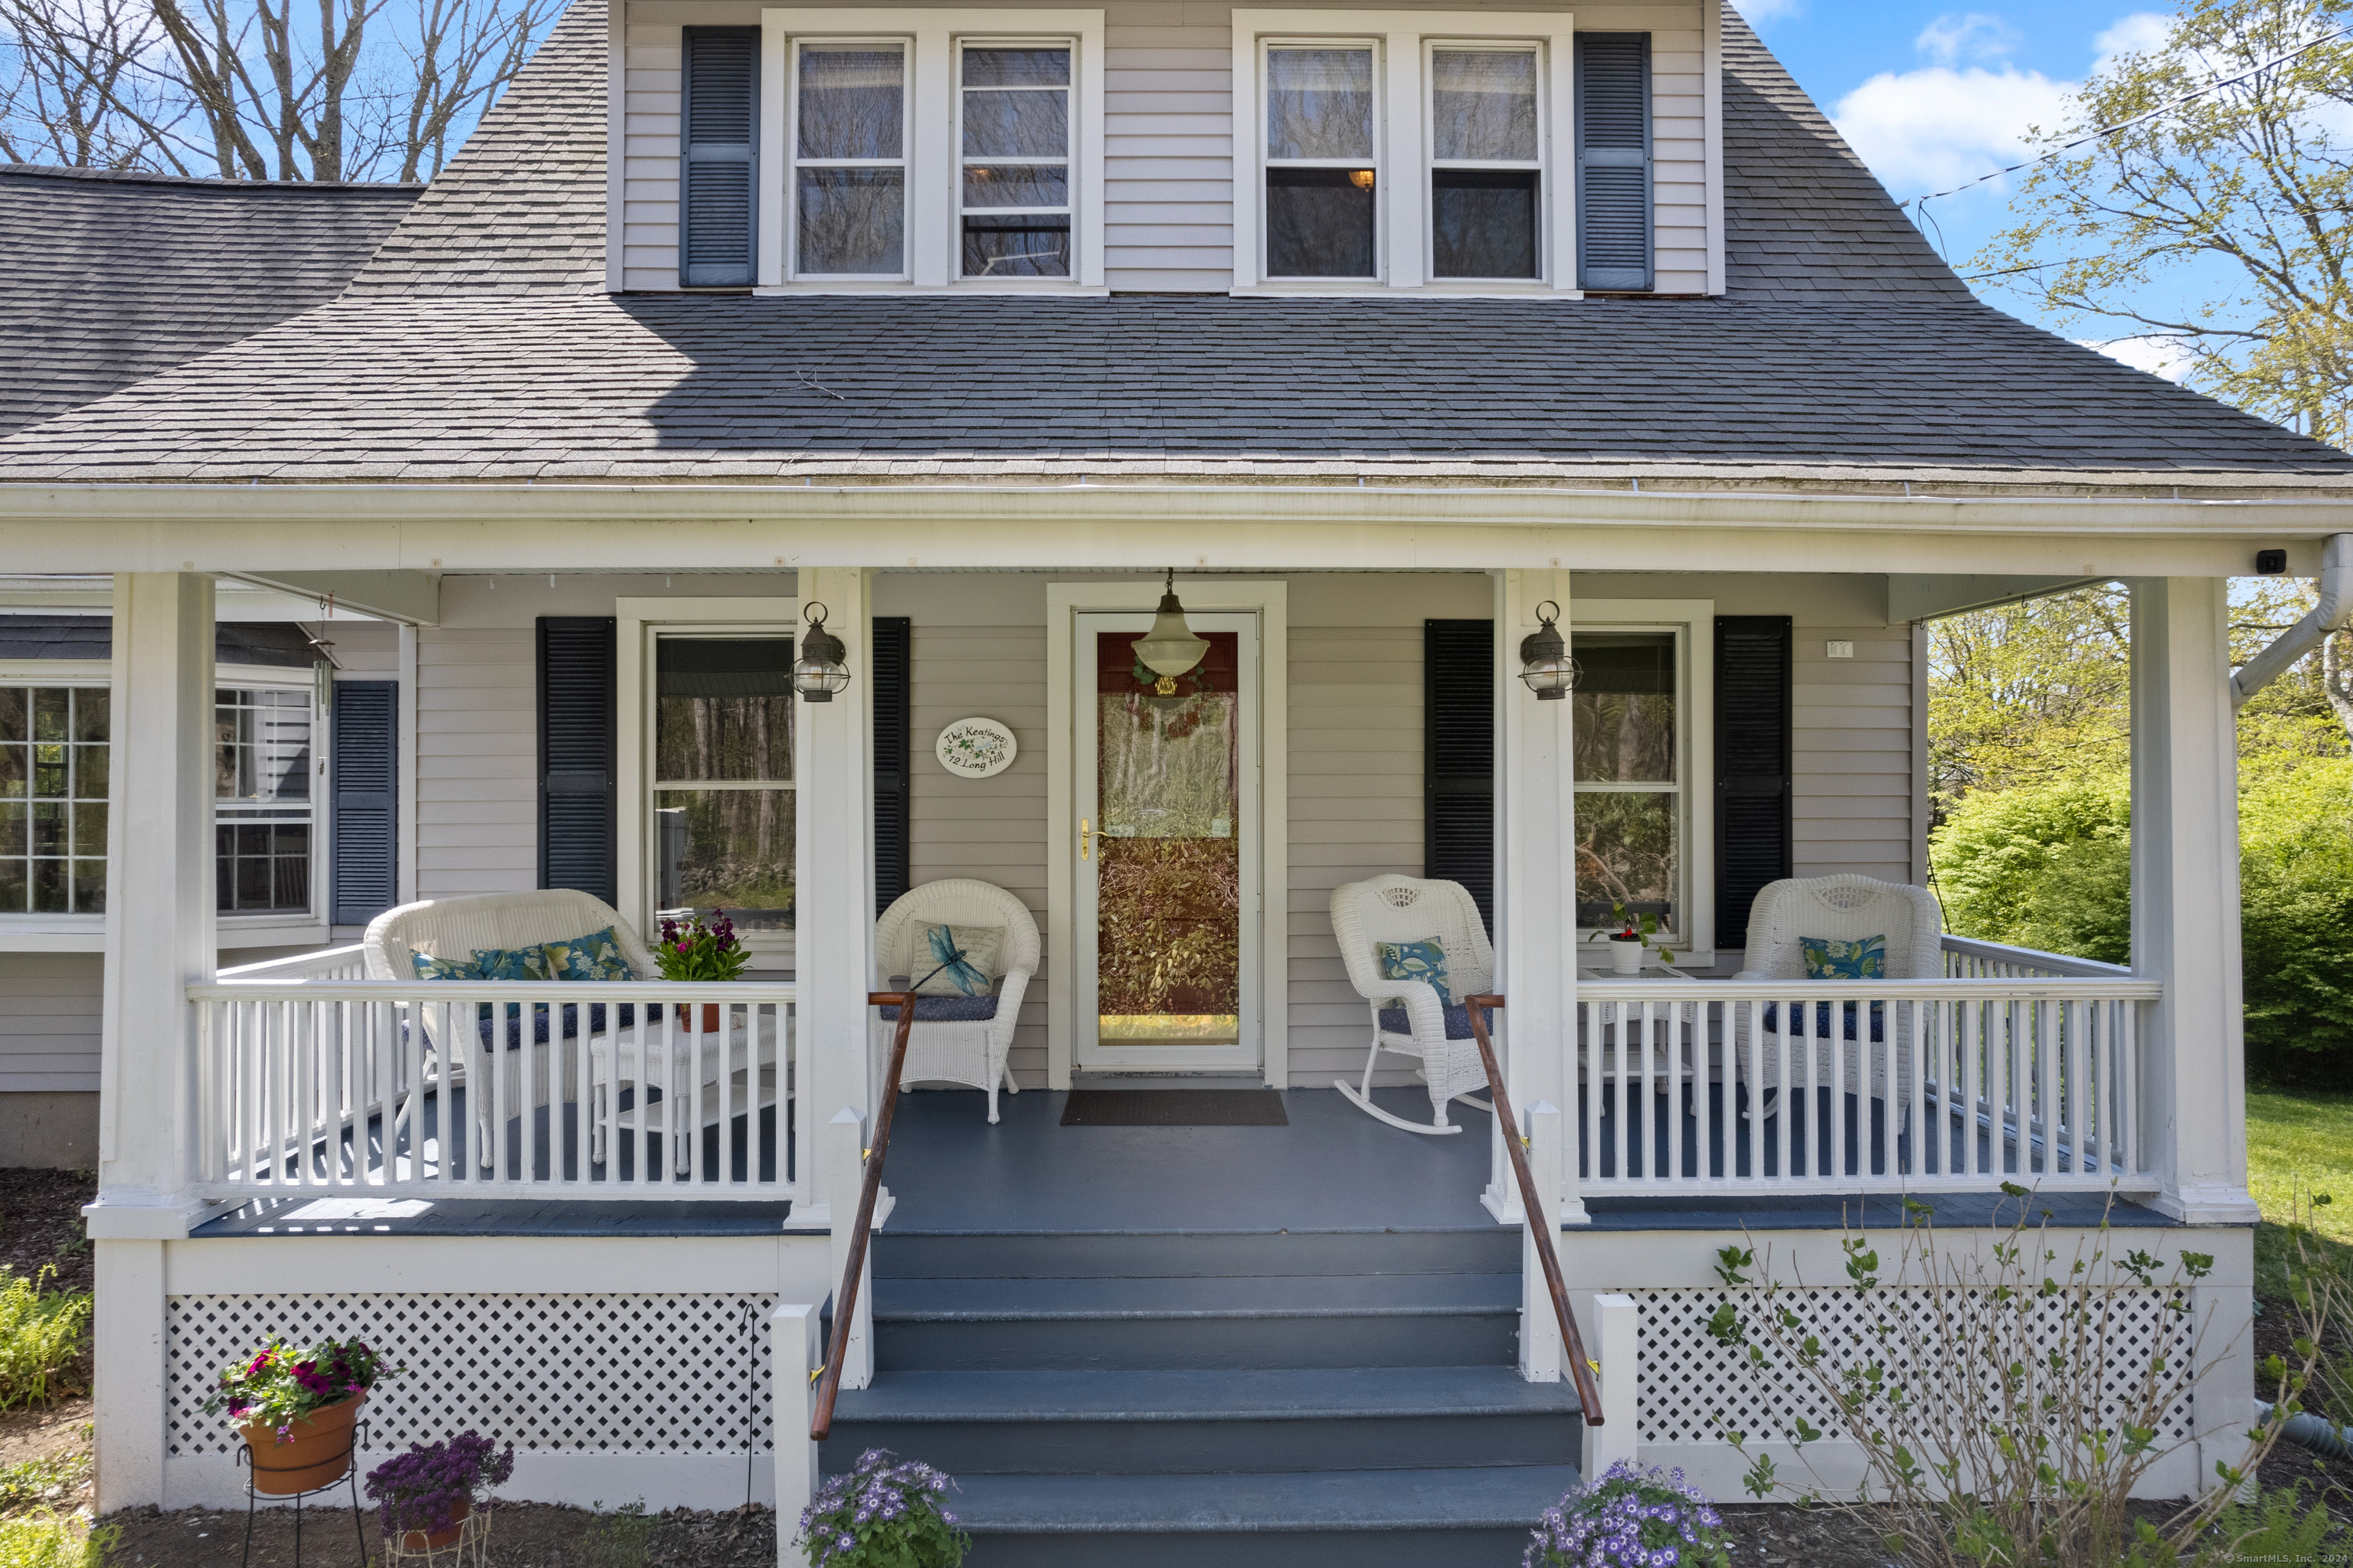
{"points": [[595, 957], [429, 967], [512, 963], [1416, 961], [1829, 960]]}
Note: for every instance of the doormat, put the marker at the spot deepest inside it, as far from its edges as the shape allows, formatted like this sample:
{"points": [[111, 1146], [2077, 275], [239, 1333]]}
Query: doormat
{"points": [[1173, 1107]]}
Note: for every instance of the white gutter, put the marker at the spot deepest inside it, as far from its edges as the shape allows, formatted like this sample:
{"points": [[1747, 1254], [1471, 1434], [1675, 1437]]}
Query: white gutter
{"points": [[2336, 604]]}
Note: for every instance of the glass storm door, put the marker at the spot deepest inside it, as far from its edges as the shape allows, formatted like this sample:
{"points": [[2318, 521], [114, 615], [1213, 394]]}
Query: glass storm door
{"points": [[1167, 787]]}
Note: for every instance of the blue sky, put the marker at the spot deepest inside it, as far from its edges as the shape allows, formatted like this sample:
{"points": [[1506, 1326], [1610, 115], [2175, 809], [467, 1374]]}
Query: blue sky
{"points": [[1933, 95]]}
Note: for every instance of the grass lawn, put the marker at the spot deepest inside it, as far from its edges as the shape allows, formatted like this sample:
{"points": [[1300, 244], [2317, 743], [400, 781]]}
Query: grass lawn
{"points": [[2299, 1144]]}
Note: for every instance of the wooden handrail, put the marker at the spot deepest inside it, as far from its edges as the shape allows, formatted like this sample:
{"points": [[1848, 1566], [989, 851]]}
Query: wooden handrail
{"points": [[1580, 1370], [845, 1300]]}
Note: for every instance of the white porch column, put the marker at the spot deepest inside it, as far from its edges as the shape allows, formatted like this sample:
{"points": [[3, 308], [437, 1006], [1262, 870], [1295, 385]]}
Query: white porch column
{"points": [[1536, 888], [834, 935], [2185, 898], [159, 939]]}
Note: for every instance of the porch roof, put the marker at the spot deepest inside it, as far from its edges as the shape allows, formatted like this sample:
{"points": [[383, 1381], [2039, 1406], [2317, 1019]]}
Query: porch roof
{"points": [[478, 346]]}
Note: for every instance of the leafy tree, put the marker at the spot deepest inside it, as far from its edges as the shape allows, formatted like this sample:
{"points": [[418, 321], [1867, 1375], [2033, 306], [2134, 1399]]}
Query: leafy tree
{"points": [[2227, 189], [2030, 694]]}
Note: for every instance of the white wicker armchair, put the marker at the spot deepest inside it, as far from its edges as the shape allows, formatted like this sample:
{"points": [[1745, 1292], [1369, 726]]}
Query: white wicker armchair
{"points": [[1838, 908], [453, 928], [945, 1045], [1407, 1016]]}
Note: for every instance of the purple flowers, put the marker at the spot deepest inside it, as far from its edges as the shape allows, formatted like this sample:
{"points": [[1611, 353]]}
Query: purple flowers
{"points": [[882, 1513], [429, 1488], [690, 949], [1631, 1518]]}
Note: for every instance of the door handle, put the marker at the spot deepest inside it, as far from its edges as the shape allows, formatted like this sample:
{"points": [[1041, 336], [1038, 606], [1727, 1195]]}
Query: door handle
{"points": [[1085, 835]]}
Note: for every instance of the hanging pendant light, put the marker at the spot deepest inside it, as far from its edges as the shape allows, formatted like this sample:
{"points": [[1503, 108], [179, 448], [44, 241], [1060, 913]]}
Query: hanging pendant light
{"points": [[1545, 664], [1170, 649], [820, 672]]}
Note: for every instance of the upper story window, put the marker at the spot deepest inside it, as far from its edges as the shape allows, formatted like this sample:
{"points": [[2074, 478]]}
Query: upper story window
{"points": [[840, 150], [1420, 152]]}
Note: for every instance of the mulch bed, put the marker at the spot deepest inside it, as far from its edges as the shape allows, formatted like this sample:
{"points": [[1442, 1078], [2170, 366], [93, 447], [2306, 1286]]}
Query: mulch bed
{"points": [[522, 1535], [42, 1224]]}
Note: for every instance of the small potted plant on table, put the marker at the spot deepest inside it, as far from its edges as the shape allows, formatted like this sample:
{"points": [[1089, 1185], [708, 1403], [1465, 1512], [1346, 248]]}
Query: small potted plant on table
{"points": [[691, 950], [425, 1495], [296, 1409], [1629, 938]]}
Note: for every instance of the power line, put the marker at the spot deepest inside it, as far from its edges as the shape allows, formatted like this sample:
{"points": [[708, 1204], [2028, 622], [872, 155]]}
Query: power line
{"points": [[1921, 203]]}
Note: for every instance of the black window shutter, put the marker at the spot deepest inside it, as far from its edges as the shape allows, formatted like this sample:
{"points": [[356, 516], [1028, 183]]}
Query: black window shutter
{"points": [[719, 172], [893, 645], [364, 861], [1613, 161], [576, 733], [1752, 766], [1458, 769]]}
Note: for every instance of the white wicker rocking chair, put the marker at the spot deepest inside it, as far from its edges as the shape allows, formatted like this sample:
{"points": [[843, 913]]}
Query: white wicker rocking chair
{"points": [[958, 1049], [1407, 1018]]}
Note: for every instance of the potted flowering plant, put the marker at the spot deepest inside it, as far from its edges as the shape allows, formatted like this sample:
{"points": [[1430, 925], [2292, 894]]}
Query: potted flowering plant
{"points": [[296, 1409], [882, 1515], [691, 950], [1630, 939], [1631, 1518], [425, 1495]]}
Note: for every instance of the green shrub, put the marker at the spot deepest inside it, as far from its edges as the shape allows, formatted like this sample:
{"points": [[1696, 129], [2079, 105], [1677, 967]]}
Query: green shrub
{"points": [[2050, 867], [42, 1333], [55, 1540]]}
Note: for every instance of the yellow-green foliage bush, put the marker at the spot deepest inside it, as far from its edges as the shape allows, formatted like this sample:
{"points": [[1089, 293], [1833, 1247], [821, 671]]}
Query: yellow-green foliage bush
{"points": [[55, 1540], [42, 1332]]}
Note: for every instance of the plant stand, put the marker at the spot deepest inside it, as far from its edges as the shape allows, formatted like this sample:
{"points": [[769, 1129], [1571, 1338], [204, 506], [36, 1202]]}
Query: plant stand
{"points": [[471, 1549], [349, 1478]]}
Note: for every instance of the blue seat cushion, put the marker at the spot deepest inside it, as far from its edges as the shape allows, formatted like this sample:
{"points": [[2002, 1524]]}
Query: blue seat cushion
{"points": [[948, 1010], [1458, 1021], [1823, 1020], [488, 1028]]}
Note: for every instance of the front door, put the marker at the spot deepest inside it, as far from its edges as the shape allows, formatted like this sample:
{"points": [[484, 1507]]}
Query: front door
{"points": [[1167, 792]]}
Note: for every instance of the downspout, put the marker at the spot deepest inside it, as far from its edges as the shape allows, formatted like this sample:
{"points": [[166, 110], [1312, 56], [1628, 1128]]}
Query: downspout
{"points": [[2327, 616]]}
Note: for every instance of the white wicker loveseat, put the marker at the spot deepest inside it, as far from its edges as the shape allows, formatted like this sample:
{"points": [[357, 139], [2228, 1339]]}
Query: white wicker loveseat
{"points": [[1844, 908], [954, 1038], [1407, 1016], [453, 928]]}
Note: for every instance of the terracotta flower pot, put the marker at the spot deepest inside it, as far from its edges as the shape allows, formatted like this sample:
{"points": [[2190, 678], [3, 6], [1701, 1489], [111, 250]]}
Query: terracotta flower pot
{"points": [[710, 1017], [433, 1540], [317, 1452]]}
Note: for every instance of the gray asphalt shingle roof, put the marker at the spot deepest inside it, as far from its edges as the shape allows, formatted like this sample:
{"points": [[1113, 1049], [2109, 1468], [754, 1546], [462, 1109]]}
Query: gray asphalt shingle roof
{"points": [[108, 278], [479, 346]]}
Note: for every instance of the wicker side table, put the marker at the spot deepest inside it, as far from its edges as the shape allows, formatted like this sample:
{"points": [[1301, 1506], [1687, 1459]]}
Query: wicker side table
{"points": [[471, 1549]]}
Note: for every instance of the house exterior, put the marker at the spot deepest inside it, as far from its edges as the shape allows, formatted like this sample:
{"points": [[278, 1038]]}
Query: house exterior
{"points": [[1394, 336]]}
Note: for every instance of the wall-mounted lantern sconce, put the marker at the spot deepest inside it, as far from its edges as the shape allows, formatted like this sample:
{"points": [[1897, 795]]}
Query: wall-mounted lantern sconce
{"points": [[820, 672], [1545, 664]]}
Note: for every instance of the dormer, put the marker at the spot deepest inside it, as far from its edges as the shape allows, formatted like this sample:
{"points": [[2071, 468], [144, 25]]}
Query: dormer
{"points": [[1529, 153]]}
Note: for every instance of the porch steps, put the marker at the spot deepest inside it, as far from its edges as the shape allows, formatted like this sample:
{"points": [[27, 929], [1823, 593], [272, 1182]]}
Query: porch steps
{"points": [[1239, 1398]]}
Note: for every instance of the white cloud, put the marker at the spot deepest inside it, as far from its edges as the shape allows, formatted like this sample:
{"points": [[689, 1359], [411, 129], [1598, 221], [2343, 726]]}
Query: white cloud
{"points": [[1979, 36], [1758, 11], [1930, 128], [2143, 32], [2158, 355]]}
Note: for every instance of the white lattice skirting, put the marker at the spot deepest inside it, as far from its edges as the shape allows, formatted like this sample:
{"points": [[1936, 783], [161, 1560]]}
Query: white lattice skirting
{"points": [[1693, 1388], [593, 1390]]}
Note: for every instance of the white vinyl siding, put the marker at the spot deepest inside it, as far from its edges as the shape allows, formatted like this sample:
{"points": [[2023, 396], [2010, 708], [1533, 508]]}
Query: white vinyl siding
{"points": [[49, 1008], [476, 748], [1168, 146]]}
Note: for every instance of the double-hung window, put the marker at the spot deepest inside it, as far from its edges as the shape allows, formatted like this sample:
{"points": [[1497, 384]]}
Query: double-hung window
{"points": [[1013, 113], [263, 812], [721, 778], [849, 160], [952, 148], [1323, 161], [1418, 150], [53, 779]]}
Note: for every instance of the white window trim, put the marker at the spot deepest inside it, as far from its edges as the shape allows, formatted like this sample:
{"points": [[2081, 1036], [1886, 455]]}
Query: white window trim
{"points": [[86, 933], [1693, 622], [638, 621], [934, 236], [1403, 148]]}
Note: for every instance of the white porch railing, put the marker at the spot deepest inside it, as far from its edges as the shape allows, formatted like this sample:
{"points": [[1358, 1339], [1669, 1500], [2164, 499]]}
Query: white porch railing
{"points": [[1748, 1087], [310, 1080], [1965, 958]]}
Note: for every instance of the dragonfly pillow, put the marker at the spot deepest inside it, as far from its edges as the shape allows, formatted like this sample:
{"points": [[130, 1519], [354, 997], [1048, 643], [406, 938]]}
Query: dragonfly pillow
{"points": [[1423, 961], [956, 961], [1829, 958]]}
